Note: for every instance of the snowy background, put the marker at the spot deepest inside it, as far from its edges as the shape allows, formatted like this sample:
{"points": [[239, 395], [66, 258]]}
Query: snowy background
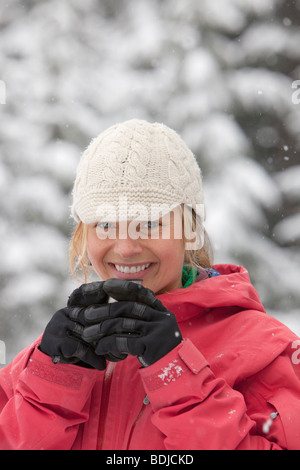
{"points": [[220, 72]]}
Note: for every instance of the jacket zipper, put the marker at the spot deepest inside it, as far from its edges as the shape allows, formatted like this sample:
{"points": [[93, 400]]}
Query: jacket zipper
{"points": [[104, 402], [145, 403]]}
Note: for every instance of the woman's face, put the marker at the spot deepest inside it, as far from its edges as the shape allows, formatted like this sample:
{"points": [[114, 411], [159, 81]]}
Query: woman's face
{"points": [[127, 251]]}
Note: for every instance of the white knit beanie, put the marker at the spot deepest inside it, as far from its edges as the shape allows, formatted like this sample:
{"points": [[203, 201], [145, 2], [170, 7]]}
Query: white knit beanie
{"points": [[135, 164]]}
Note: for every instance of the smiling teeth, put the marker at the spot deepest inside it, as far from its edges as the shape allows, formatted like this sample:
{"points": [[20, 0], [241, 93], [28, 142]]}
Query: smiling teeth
{"points": [[132, 269]]}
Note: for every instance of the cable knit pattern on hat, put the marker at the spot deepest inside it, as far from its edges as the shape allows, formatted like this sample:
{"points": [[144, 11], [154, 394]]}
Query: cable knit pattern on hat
{"points": [[141, 163]]}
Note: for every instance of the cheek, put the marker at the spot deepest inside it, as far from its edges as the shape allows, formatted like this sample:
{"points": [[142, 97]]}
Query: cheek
{"points": [[172, 257], [95, 248], [91, 246], [169, 275]]}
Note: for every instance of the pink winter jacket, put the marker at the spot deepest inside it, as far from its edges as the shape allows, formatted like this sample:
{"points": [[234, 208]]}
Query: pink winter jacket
{"points": [[233, 383]]}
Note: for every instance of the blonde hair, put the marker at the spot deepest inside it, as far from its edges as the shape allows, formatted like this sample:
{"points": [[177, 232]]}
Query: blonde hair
{"points": [[79, 260]]}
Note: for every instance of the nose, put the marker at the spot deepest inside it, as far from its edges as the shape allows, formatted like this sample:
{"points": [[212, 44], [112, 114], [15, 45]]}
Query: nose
{"points": [[127, 248]]}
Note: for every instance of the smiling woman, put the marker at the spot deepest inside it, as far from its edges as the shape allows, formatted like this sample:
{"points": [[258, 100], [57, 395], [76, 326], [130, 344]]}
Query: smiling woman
{"points": [[187, 359]]}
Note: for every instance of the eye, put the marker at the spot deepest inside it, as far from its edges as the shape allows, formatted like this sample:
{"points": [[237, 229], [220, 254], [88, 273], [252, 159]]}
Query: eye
{"points": [[106, 230], [105, 225], [152, 224], [149, 225]]}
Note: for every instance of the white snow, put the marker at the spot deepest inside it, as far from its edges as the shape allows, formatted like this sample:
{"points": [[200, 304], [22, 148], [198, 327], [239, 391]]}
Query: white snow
{"points": [[171, 372]]}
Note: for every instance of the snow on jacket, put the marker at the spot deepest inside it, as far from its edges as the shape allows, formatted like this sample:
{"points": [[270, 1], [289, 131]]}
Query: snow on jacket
{"points": [[233, 383]]}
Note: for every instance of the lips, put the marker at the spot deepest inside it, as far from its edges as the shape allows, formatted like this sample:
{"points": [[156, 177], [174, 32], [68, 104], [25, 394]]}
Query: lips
{"points": [[131, 271]]}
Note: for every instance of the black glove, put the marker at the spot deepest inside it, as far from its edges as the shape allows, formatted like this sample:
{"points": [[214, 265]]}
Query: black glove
{"points": [[62, 339], [90, 330], [138, 324]]}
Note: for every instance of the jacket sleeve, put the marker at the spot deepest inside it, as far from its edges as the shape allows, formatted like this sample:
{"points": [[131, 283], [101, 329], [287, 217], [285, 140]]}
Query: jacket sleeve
{"points": [[194, 409], [42, 404]]}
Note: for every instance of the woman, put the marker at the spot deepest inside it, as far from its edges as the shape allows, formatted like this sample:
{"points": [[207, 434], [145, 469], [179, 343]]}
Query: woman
{"points": [[185, 359]]}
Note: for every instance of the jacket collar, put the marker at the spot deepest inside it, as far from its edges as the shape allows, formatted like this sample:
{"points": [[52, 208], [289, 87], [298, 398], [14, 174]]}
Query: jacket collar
{"points": [[231, 288]]}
